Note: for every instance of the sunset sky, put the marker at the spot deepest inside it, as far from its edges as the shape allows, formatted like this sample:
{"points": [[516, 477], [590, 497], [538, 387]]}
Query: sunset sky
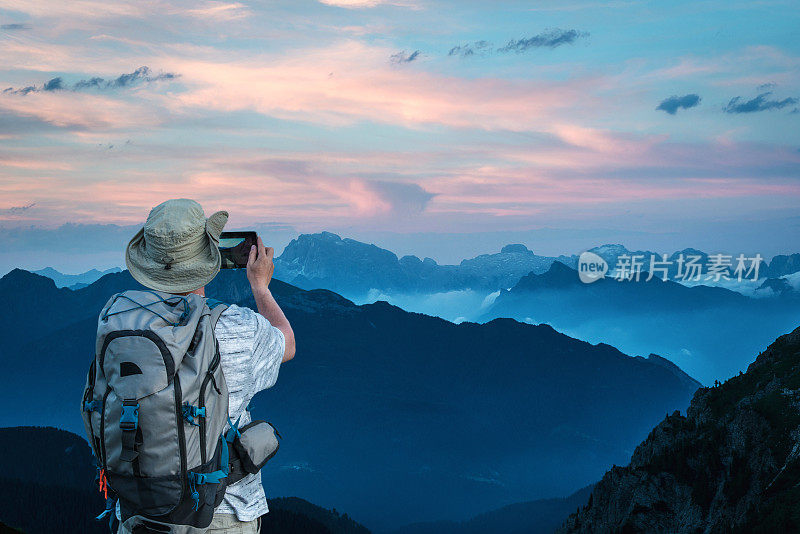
{"points": [[410, 118]]}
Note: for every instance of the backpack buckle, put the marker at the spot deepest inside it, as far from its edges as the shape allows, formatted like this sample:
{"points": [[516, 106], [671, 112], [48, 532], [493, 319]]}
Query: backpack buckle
{"points": [[130, 415]]}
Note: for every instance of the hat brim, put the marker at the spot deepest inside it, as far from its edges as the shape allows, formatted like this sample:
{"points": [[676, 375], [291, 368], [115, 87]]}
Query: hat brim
{"points": [[181, 277]]}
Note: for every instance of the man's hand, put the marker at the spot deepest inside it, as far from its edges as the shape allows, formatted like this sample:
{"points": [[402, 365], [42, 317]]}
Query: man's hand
{"points": [[260, 266]]}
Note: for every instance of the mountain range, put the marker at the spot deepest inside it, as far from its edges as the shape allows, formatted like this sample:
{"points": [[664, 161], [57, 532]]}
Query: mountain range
{"points": [[396, 417], [353, 268], [710, 332], [75, 281], [731, 464]]}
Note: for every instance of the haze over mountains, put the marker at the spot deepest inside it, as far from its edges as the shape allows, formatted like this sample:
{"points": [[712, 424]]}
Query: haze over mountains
{"points": [[392, 416], [709, 332]]}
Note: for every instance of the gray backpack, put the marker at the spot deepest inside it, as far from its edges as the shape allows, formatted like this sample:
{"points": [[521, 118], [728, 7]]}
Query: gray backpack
{"points": [[155, 408]]}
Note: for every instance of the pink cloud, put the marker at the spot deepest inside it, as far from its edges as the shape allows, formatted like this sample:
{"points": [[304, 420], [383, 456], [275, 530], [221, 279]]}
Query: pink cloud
{"points": [[350, 82], [220, 11], [34, 164], [80, 110]]}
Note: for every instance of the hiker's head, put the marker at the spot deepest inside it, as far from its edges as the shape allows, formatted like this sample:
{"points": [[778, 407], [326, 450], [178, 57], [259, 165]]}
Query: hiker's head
{"points": [[177, 251]]}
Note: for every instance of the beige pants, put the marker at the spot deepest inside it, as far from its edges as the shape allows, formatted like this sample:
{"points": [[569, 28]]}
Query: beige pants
{"points": [[228, 524], [224, 524]]}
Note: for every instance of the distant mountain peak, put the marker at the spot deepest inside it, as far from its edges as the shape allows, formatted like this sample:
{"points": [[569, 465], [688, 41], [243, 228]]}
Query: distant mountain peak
{"points": [[515, 248], [677, 371], [327, 235], [74, 281], [25, 279], [557, 276], [354, 268], [614, 249], [689, 252], [782, 265]]}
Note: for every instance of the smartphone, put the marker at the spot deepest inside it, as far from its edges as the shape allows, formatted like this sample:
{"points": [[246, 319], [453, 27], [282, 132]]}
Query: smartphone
{"points": [[235, 248]]}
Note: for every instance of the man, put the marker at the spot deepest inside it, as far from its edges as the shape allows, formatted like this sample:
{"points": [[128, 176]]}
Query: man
{"points": [[177, 252]]}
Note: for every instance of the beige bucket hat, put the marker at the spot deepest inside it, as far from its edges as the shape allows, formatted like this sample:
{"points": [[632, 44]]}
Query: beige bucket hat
{"points": [[178, 249]]}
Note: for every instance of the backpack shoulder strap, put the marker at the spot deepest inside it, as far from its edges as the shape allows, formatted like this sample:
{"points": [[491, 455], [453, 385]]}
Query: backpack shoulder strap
{"points": [[216, 307]]}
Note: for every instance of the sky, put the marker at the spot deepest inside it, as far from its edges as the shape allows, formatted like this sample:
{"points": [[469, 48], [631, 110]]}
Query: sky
{"points": [[441, 128]]}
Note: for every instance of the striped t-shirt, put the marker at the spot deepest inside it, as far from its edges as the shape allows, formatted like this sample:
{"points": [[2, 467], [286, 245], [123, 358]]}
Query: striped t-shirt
{"points": [[251, 351]]}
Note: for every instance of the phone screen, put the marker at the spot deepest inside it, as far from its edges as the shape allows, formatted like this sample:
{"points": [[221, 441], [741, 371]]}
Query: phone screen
{"points": [[235, 248]]}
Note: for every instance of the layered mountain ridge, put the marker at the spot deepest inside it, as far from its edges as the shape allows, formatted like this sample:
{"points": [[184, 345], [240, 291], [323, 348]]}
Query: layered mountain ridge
{"points": [[383, 411], [711, 332], [350, 267]]}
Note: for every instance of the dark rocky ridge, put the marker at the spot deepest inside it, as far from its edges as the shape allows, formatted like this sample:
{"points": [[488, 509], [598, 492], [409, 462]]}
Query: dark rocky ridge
{"points": [[732, 464]]}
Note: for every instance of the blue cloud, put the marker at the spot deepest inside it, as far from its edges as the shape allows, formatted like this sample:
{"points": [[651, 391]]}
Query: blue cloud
{"points": [[15, 26], [470, 49], [549, 39], [403, 57], [672, 104], [402, 197], [18, 209], [56, 84], [140, 75], [760, 103]]}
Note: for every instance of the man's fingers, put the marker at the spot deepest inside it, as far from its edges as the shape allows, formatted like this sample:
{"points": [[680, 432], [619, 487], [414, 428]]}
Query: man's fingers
{"points": [[270, 253], [251, 257], [261, 252]]}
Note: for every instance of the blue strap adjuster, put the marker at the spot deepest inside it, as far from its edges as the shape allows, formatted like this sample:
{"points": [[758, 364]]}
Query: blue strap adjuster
{"points": [[190, 412], [214, 477], [233, 432], [91, 406], [130, 415]]}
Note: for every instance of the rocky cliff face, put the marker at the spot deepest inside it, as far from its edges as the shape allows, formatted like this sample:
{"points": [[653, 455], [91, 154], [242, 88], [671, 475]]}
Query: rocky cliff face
{"points": [[731, 465]]}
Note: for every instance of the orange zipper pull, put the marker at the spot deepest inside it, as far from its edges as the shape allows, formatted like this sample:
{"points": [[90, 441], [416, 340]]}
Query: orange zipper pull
{"points": [[103, 483]]}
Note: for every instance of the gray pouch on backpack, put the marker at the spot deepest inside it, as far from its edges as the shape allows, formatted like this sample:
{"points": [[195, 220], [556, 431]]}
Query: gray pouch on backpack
{"points": [[255, 444]]}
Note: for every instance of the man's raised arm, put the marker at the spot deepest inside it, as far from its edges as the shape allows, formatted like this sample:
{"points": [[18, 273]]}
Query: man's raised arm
{"points": [[259, 273]]}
